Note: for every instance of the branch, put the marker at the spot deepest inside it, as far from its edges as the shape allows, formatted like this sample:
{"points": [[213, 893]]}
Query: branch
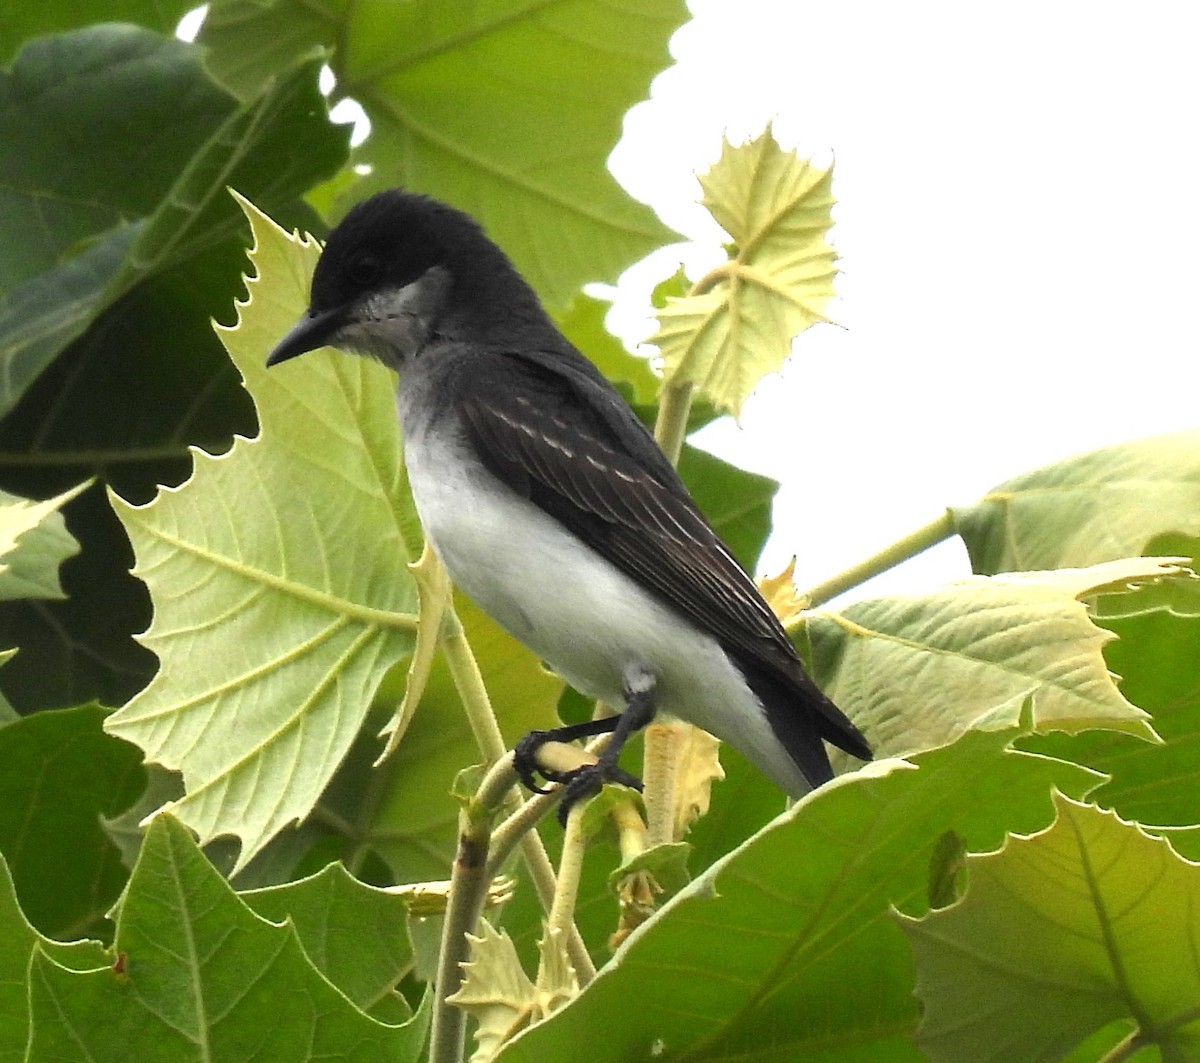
{"points": [[909, 546]]}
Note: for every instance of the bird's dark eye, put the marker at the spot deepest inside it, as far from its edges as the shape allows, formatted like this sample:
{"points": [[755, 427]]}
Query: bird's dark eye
{"points": [[364, 270]]}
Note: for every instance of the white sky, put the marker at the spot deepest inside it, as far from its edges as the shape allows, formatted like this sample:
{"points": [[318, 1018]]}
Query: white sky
{"points": [[1019, 231]]}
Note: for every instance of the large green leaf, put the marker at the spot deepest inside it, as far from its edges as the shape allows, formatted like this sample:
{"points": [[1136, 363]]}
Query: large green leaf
{"points": [[1059, 935], [1086, 509], [915, 670], [272, 626], [22, 21], [1155, 656], [201, 978], [134, 104], [83, 92], [785, 949], [17, 941], [61, 773], [778, 282], [507, 110], [353, 934]]}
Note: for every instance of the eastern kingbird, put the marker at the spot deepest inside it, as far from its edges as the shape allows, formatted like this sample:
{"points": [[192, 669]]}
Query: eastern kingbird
{"points": [[551, 505]]}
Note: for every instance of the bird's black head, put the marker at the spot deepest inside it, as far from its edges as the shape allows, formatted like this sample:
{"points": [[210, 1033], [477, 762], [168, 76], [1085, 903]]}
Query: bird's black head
{"points": [[394, 270]]}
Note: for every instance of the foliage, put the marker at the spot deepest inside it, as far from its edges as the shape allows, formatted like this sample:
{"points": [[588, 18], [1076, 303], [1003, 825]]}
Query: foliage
{"points": [[205, 856]]}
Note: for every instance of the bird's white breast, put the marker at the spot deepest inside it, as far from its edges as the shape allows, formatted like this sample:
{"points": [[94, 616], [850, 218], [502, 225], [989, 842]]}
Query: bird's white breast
{"points": [[591, 623]]}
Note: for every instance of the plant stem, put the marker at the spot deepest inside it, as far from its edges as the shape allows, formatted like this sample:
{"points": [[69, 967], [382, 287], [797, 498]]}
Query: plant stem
{"points": [[675, 404], [570, 868], [909, 546], [468, 681], [468, 893], [1126, 1048], [464, 671]]}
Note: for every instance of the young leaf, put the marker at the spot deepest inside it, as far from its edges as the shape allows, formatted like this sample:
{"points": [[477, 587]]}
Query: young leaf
{"points": [[1060, 934], [1090, 508], [272, 626], [777, 208], [200, 977], [507, 111], [785, 949], [916, 670]]}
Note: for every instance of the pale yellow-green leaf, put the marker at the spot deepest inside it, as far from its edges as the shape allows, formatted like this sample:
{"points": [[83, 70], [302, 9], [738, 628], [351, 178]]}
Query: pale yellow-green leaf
{"points": [[1059, 935], [495, 991], [34, 541], [739, 324], [915, 671], [1088, 508], [433, 595], [557, 981], [278, 576]]}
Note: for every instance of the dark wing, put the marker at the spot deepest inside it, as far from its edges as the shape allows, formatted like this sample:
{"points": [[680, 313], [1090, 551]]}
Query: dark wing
{"points": [[562, 437]]}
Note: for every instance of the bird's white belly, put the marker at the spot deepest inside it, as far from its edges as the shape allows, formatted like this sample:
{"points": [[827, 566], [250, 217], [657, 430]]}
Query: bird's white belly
{"points": [[591, 623]]}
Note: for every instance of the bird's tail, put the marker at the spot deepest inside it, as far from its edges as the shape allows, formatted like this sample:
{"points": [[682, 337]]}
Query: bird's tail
{"points": [[803, 718]]}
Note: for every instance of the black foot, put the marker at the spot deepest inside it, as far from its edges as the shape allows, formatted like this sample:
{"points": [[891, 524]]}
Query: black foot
{"points": [[525, 759], [586, 782], [526, 764]]}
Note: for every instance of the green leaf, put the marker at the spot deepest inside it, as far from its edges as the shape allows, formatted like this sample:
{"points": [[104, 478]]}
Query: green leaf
{"points": [[89, 88], [97, 94], [768, 955], [34, 541], [1087, 922], [254, 573], [61, 774], [203, 978], [737, 503], [22, 21], [507, 111], [916, 670], [778, 282], [353, 934], [1155, 656], [1090, 508], [583, 324], [17, 941]]}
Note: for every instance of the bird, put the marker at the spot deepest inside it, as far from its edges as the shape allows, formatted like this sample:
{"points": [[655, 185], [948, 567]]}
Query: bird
{"points": [[553, 508]]}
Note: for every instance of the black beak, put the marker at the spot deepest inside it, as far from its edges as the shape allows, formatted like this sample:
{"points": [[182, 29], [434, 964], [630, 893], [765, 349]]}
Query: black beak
{"points": [[307, 334]]}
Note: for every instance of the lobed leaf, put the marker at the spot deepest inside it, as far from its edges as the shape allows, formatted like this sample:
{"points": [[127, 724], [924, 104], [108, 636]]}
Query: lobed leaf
{"points": [[272, 627], [200, 977], [1155, 654], [354, 934], [1060, 934], [785, 949], [1093, 507], [916, 670], [727, 337], [18, 939], [61, 774]]}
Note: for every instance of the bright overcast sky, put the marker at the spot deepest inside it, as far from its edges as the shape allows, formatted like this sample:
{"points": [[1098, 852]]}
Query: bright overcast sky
{"points": [[1018, 229]]}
